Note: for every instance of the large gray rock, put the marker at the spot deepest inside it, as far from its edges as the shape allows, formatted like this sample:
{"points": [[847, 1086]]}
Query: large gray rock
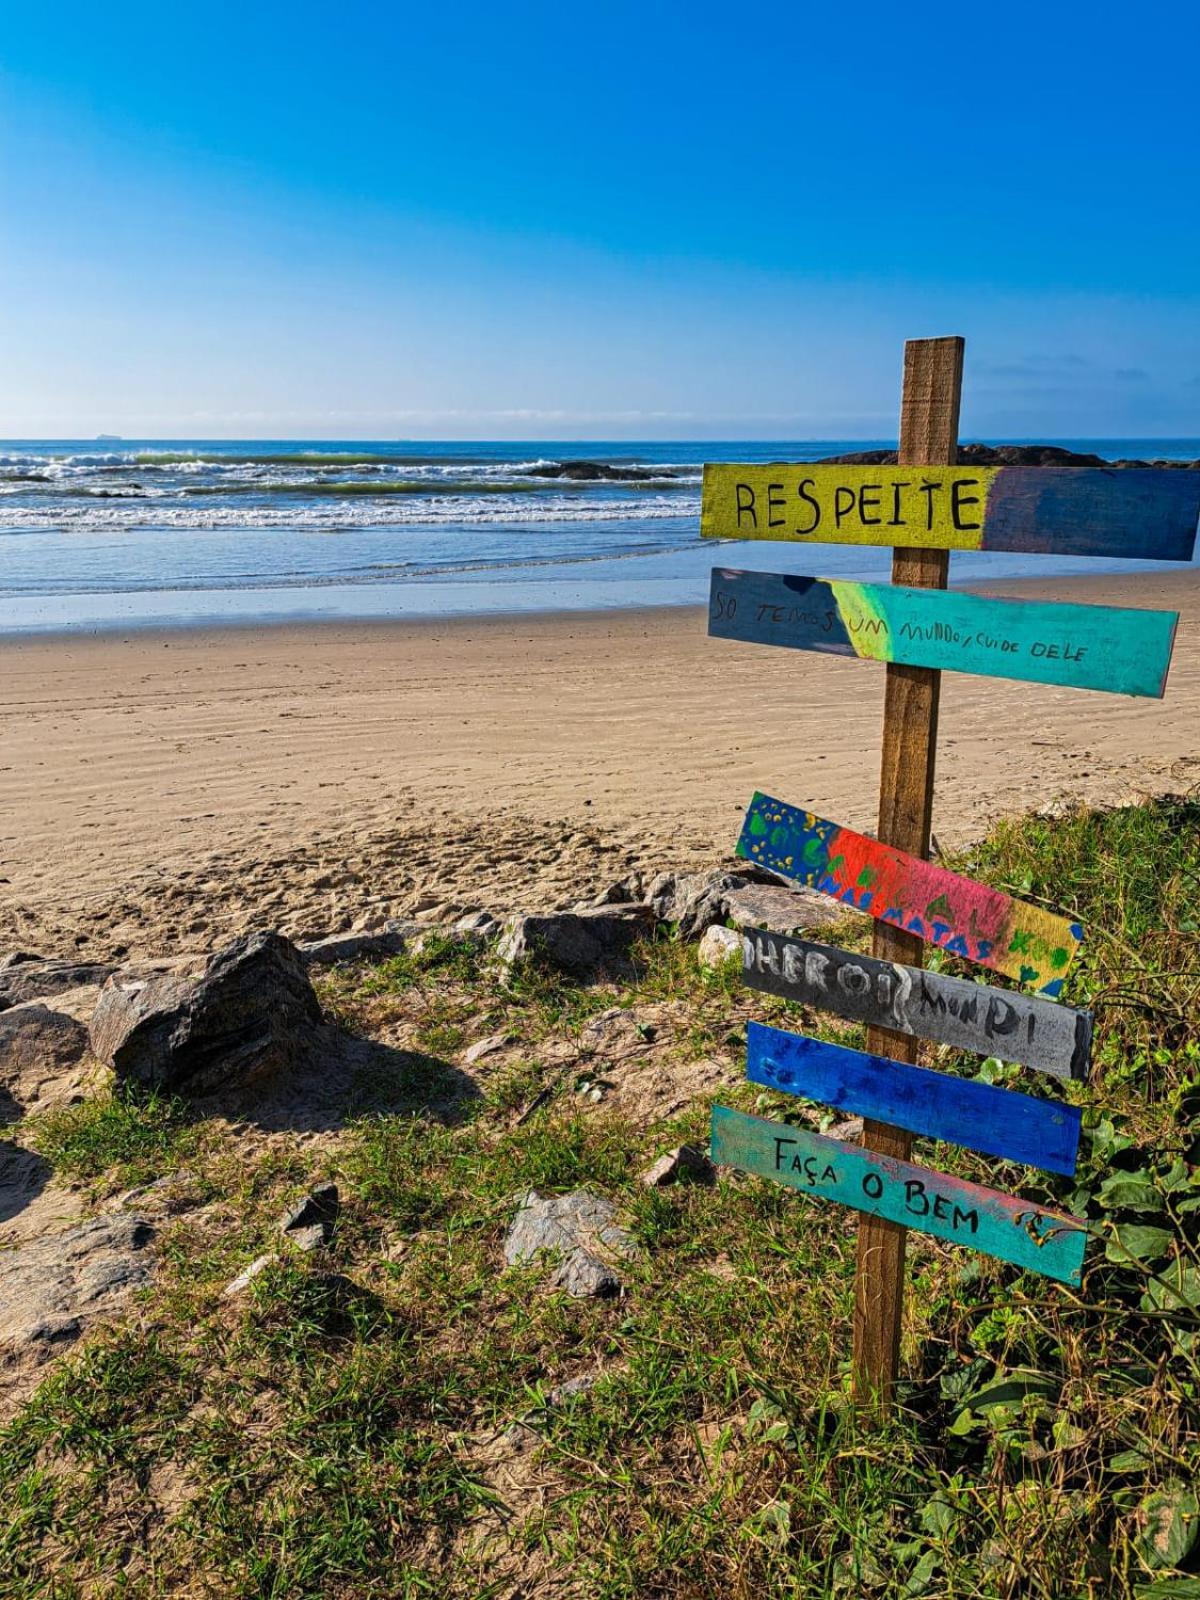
{"points": [[27, 977], [581, 942], [750, 897], [251, 1011], [51, 1288], [581, 1229]]}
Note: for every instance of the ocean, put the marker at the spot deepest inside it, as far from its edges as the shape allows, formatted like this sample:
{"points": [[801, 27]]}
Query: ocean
{"points": [[117, 533]]}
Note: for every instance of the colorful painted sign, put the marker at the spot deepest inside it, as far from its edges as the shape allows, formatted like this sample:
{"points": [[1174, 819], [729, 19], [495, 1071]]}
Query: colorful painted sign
{"points": [[1023, 941], [1142, 513], [1037, 1033], [937, 1105], [1114, 648], [1049, 1242]]}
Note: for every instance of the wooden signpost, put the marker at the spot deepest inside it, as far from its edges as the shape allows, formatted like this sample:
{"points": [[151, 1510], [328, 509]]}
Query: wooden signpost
{"points": [[1139, 513], [1004, 1023], [1114, 648], [924, 507]]}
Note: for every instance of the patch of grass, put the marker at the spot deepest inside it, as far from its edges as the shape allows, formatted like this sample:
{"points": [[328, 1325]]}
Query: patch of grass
{"points": [[129, 1135]]}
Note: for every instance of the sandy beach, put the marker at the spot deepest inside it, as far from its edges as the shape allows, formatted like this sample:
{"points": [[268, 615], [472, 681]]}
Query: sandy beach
{"points": [[157, 789]]}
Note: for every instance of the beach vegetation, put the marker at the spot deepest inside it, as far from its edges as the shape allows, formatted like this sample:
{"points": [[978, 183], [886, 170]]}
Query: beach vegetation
{"points": [[403, 1416]]}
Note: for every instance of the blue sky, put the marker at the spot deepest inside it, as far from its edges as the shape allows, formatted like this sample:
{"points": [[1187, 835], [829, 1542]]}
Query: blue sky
{"points": [[618, 220]]}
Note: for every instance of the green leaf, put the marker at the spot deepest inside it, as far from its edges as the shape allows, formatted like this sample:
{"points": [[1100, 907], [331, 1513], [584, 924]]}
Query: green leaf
{"points": [[1128, 1461], [1139, 1240], [1169, 1524], [921, 1575], [1170, 1589], [1129, 1191], [1176, 1289]]}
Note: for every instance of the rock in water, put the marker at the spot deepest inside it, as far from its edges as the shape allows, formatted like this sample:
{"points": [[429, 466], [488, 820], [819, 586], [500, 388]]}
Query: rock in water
{"points": [[250, 1012], [581, 1229]]}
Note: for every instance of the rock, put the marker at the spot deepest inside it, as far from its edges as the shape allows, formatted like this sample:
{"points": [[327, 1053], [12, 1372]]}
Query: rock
{"points": [[248, 1274], [52, 1288], [581, 1229], [849, 1130], [694, 901], [317, 1209], [591, 472], [718, 946], [251, 1011], [33, 1037], [26, 977], [582, 942], [477, 922], [779, 909], [339, 947], [314, 1238], [625, 891], [485, 1047], [685, 1163]]}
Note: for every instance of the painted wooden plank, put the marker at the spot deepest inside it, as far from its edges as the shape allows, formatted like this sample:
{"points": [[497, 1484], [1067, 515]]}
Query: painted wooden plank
{"points": [[1025, 942], [1142, 513], [1114, 648], [1031, 1236], [936, 1105], [1038, 1033]]}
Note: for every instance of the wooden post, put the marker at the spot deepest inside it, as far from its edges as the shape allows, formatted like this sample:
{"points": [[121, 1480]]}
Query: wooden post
{"points": [[928, 437]]}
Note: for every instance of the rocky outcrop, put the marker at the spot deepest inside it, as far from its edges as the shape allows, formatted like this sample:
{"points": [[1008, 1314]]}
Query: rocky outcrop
{"points": [[251, 1011], [581, 1230], [580, 942]]}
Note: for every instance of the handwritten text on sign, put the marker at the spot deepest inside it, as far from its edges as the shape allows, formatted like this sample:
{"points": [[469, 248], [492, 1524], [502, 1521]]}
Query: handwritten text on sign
{"points": [[938, 1105], [931, 1005], [962, 916], [1115, 648], [1049, 1242], [1147, 513]]}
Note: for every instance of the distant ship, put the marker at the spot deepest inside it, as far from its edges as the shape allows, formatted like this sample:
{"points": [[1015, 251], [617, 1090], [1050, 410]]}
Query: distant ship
{"points": [[108, 438]]}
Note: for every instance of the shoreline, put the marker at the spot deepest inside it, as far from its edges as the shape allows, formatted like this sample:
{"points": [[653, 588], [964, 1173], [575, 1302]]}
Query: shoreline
{"points": [[1017, 587], [161, 787]]}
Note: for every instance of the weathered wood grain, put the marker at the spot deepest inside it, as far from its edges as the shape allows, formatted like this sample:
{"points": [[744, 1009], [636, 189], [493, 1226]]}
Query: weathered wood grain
{"points": [[1117, 649], [1042, 1034], [897, 1191], [929, 406], [936, 1105], [1139, 513], [1023, 941]]}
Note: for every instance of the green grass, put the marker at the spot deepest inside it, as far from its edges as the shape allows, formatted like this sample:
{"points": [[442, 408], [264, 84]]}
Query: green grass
{"points": [[339, 1430]]}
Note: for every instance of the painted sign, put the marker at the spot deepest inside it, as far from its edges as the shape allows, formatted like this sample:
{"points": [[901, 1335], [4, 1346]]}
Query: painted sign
{"points": [[1115, 648], [1143, 513], [968, 919], [937, 1105], [1049, 1242], [1037, 1033]]}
